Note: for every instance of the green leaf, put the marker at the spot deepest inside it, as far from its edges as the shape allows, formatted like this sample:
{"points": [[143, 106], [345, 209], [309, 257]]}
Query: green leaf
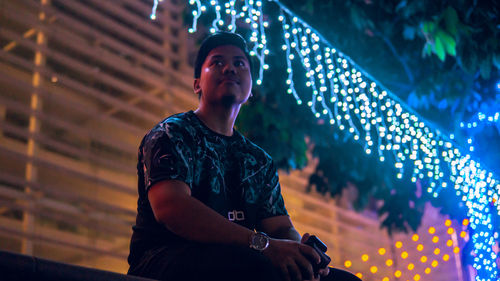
{"points": [[496, 60], [401, 5], [468, 61], [485, 68], [439, 49], [451, 20], [448, 42], [428, 27], [409, 32], [427, 50]]}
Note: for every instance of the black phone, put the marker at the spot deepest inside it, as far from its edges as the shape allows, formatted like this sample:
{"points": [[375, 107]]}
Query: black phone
{"points": [[320, 248]]}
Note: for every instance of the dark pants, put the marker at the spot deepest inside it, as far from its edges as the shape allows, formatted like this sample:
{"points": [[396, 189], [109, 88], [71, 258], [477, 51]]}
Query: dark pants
{"points": [[200, 262]]}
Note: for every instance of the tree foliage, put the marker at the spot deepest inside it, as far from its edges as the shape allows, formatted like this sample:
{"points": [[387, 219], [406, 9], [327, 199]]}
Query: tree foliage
{"points": [[441, 57]]}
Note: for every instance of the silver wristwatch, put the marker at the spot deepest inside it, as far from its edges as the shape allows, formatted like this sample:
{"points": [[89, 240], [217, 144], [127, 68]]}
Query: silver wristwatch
{"points": [[259, 241]]}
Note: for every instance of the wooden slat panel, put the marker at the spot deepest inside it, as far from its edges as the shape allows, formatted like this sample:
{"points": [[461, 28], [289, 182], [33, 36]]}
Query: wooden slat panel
{"points": [[115, 27], [71, 172]]}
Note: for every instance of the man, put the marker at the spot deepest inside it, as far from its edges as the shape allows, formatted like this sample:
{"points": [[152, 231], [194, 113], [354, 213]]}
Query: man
{"points": [[204, 188]]}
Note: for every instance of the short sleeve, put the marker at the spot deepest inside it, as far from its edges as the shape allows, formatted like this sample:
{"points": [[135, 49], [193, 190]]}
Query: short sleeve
{"points": [[166, 157], [272, 203]]}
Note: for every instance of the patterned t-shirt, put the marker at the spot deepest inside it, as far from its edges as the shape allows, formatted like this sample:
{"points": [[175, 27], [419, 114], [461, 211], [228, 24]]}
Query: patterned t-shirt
{"points": [[231, 175]]}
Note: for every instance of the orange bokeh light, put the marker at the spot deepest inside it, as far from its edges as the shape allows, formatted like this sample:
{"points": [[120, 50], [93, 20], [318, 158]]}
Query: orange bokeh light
{"points": [[365, 257], [381, 251]]}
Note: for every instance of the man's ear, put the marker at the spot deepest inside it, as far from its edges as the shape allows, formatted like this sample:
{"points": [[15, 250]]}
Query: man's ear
{"points": [[196, 86]]}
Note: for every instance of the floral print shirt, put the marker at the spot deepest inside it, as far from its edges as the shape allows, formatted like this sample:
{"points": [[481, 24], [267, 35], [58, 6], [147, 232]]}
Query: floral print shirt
{"points": [[231, 175]]}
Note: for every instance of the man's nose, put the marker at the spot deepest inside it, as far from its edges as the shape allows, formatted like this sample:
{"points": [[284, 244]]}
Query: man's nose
{"points": [[229, 67]]}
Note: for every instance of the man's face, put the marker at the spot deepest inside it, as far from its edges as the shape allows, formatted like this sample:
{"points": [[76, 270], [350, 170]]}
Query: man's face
{"points": [[225, 77]]}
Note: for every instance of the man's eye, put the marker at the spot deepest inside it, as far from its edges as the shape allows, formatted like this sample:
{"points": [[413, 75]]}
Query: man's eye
{"points": [[217, 62], [239, 63]]}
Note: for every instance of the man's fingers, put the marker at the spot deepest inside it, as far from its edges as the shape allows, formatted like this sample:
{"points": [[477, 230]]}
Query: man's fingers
{"points": [[306, 267], [284, 271], [294, 272], [309, 252], [324, 271], [304, 237]]}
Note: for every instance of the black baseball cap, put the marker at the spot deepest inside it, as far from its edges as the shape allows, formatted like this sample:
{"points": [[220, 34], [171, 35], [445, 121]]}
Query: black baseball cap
{"points": [[220, 38]]}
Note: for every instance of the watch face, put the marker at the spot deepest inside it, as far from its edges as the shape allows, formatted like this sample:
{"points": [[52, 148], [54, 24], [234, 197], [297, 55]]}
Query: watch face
{"points": [[260, 241]]}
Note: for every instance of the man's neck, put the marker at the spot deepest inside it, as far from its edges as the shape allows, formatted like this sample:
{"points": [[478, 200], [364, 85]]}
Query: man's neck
{"points": [[218, 119]]}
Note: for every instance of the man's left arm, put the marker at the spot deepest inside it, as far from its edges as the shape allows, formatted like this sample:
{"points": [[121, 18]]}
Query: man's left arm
{"points": [[279, 227]]}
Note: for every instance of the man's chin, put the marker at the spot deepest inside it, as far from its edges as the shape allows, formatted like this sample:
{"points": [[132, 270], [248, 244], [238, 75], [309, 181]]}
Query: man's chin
{"points": [[229, 100]]}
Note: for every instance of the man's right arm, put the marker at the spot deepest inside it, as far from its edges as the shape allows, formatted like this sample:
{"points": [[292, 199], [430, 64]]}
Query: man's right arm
{"points": [[189, 218]]}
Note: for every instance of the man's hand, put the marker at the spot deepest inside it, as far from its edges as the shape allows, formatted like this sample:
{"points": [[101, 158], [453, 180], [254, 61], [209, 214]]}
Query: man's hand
{"points": [[322, 271], [292, 258]]}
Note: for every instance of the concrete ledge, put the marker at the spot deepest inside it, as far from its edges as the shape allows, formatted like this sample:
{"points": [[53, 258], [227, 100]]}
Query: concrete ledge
{"points": [[17, 267]]}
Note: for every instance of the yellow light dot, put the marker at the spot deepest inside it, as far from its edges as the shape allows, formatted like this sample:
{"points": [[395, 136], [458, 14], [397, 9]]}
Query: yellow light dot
{"points": [[399, 244], [420, 247], [397, 273], [463, 234], [404, 255], [385, 279], [446, 257], [427, 270], [359, 275], [465, 222], [434, 263], [450, 231], [373, 269], [432, 230], [435, 239], [437, 251], [449, 243], [365, 257], [381, 251], [447, 222], [411, 266], [347, 263], [456, 250], [416, 277], [414, 237], [423, 259], [388, 262]]}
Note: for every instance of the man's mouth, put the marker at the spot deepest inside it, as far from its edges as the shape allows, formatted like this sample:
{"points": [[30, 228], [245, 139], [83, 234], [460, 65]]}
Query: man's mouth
{"points": [[229, 80]]}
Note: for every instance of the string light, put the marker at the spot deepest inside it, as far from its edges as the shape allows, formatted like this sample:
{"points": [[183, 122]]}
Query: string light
{"points": [[354, 102], [405, 255], [481, 119]]}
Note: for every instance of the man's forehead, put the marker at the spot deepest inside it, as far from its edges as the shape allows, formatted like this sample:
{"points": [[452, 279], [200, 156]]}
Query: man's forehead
{"points": [[227, 51]]}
